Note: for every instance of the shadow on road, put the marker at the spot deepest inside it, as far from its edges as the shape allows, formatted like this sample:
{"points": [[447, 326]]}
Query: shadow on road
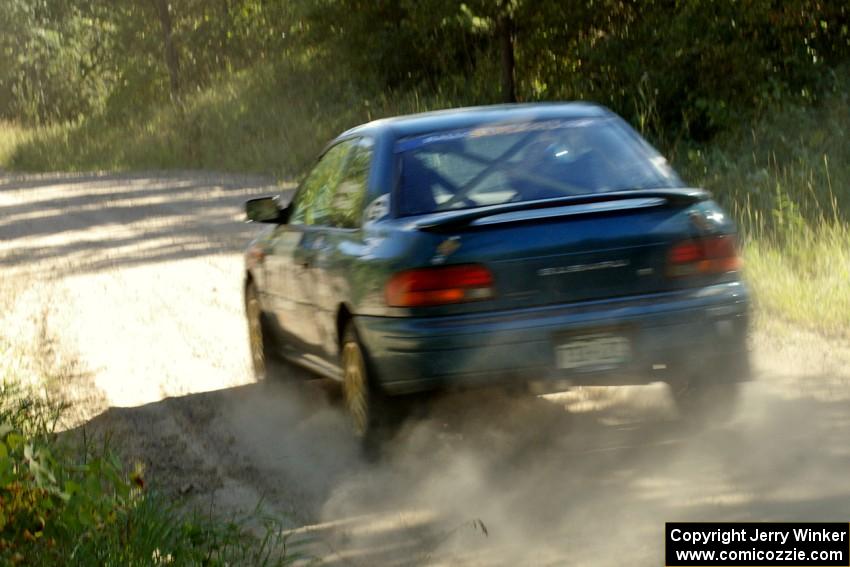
{"points": [[491, 479], [95, 222]]}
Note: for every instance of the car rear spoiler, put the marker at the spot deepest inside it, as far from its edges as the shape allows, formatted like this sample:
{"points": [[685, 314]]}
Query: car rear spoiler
{"points": [[448, 220]]}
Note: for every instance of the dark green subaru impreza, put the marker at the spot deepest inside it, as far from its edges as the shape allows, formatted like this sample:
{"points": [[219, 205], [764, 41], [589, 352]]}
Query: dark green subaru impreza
{"points": [[525, 245]]}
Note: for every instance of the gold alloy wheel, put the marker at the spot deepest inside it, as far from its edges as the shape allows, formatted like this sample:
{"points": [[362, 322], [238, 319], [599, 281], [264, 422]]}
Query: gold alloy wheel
{"points": [[355, 387], [255, 336]]}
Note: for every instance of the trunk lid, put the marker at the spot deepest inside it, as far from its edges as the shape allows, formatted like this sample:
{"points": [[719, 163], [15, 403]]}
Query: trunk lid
{"points": [[570, 253]]}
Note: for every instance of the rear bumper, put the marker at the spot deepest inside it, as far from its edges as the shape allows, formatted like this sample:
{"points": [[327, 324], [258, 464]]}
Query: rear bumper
{"points": [[672, 334]]}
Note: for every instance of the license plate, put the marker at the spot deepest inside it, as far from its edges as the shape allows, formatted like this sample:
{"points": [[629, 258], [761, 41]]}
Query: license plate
{"points": [[598, 351]]}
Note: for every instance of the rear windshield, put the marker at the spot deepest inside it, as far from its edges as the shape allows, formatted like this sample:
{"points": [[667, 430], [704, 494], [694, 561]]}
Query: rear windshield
{"points": [[462, 169]]}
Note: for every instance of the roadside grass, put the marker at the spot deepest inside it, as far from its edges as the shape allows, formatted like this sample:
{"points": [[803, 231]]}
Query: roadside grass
{"points": [[12, 139], [787, 183], [806, 282], [784, 178], [77, 504]]}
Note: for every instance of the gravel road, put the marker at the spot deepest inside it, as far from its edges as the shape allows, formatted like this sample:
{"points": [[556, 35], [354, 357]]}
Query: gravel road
{"points": [[132, 282]]}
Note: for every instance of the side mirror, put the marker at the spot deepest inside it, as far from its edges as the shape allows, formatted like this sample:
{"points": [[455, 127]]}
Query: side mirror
{"points": [[265, 209]]}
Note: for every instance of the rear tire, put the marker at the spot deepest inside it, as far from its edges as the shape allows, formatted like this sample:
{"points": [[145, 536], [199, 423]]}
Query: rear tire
{"points": [[712, 396], [701, 401], [368, 408]]}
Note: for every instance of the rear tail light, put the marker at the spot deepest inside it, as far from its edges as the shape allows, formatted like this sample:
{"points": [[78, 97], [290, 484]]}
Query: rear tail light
{"points": [[439, 286], [709, 255]]}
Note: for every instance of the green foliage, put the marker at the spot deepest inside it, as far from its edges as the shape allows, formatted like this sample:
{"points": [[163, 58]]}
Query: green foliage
{"points": [[61, 505], [63, 60], [693, 67], [242, 123], [785, 182], [388, 44], [679, 68], [707, 64], [783, 174]]}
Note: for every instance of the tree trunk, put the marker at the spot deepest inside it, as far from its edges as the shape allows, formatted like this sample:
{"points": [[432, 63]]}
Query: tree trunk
{"points": [[506, 41], [172, 58], [223, 55]]}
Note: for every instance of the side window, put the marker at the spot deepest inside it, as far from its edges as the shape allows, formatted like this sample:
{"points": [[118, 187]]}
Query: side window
{"points": [[346, 207], [313, 201]]}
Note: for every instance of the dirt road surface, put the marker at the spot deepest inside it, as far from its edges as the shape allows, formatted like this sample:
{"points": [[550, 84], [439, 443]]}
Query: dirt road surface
{"points": [[133, 282]]}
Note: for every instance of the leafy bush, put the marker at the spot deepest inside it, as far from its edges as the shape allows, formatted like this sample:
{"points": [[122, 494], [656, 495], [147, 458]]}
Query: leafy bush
{"points": [[783, 178], [78, 506]]}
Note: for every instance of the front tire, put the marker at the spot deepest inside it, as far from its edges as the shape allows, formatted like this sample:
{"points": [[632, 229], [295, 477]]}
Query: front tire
{"points": [[258, 339]]}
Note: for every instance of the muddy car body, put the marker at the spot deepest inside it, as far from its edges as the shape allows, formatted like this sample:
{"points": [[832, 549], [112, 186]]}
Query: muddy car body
{"points": [[523, 244]]}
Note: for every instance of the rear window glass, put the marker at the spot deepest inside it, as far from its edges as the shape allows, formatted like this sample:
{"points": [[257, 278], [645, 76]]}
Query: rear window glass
{"points": [[503, 163]]}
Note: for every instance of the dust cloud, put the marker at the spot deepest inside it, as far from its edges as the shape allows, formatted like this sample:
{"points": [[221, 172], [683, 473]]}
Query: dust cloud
{"points": [[143, 275]]}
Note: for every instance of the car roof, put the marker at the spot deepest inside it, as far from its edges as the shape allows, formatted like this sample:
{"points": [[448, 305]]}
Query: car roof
{"points": [[471, 117]]}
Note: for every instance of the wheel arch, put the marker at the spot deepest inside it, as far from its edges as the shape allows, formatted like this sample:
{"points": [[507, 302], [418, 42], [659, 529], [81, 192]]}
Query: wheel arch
{"points": [[344, 315], [246, 285]]}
